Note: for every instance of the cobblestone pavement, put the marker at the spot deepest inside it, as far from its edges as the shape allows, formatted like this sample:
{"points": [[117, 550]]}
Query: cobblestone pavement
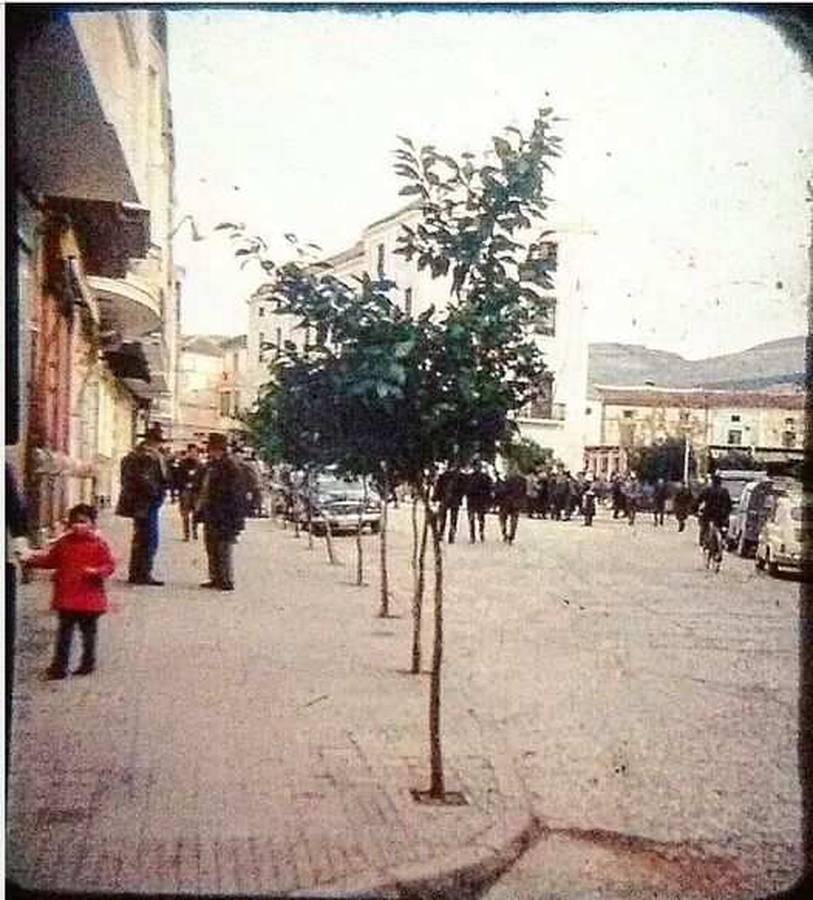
{"points": [[267, 740]]}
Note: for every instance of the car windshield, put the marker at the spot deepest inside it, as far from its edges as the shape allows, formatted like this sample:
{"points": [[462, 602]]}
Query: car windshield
{"points": [[341, 486]]}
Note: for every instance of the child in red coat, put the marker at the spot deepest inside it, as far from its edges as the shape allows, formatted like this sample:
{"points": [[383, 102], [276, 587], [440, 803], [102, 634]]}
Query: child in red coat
{"points": [[81, 560]]}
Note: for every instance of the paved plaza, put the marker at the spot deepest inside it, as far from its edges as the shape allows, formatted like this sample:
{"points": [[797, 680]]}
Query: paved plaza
{"points": [[605, 697]]}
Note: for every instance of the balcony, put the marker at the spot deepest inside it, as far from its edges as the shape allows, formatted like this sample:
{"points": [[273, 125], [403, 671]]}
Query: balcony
{"points": [[555, 418], [129, 305]]}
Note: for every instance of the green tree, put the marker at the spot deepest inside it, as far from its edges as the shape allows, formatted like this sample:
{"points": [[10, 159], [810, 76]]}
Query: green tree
{"points": [[526, 455], [404, 394], [664, 459]]}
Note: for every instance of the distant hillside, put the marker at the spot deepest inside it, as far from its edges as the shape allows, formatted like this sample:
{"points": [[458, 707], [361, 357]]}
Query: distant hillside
{"points": [[774, 364]]}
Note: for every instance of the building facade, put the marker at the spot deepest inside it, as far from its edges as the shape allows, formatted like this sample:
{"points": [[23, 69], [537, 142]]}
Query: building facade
{"points": [[767, 425], [213, 388], [94, 309], [556, 419]]}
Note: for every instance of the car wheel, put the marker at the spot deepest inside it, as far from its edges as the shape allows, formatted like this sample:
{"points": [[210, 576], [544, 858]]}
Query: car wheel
{"points": [[759, 561], [773, 568], [744, 547], [375, 527]]}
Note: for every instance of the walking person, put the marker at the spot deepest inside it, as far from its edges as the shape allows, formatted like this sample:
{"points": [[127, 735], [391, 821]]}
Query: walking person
{"points": [[617, 494], [511, 499], [449, 491], [81, 560], [559, 496], [543, 500], [144, 481], [221, 507], [659, 501], [589, 504], [632, 493], [479, 490], [190, 476], [532, 493], [683, 504]]}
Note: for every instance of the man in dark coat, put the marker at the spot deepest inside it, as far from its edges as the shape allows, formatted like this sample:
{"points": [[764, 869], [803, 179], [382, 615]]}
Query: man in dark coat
{"points": [[683, 504], [617, 494], [659, 501], [479, 491], [189, 477], [222, 508], [449, 490], [144, 480], [511, 497]]}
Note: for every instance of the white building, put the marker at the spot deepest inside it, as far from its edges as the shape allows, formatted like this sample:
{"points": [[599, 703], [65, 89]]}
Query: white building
{"points": [[556, 420]]}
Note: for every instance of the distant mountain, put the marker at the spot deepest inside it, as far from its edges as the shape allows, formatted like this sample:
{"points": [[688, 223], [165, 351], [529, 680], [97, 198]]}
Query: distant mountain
{"points": [[779, 364]]}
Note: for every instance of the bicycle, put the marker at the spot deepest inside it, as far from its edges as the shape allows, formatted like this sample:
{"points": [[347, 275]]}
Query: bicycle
{"points": [[713, 546]]}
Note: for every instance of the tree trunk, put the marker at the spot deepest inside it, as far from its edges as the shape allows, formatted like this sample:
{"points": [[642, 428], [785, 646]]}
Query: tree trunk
{"points": [[437, 790], [384, 611], [419, 579], [359, 547], [331, 556], [309, 510]]}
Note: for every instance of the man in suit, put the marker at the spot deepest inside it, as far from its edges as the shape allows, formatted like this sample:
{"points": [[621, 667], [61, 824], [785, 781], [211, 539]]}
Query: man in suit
{"points": [[144, 480], [222, 508]]}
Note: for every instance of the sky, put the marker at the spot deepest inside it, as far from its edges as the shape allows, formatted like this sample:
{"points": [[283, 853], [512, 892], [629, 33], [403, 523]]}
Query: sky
{"points": [[688, 142]]}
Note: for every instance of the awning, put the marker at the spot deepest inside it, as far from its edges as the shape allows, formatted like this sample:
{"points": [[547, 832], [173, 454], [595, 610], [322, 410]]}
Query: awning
{"points": [[63, 142], [111, 233]]}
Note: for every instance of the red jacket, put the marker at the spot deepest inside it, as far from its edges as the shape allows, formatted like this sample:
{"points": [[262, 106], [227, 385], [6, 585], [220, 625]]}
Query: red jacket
{"points": [[76, 589]]}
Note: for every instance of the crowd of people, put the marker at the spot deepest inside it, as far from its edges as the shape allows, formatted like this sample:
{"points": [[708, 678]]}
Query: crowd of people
{"points": [[218, 486], [562, 497]]}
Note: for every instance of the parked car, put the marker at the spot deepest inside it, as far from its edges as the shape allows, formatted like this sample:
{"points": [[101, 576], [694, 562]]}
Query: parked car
{"points": [[749, 515], [735, 480], [343, 503], [784, 538]]}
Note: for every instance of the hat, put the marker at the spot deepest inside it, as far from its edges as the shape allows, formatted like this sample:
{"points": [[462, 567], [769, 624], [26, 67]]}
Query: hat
{"points": [[154, 432], [216, 439]]}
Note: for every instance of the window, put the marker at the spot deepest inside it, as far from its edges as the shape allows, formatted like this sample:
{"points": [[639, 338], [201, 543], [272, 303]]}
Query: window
{"points": [[408, 301], [629, 413], [261, 346], [735, 418], [261, 310], [541, 407], [225, 403], [790, 421], [684, 416], [789, 440], [735, 437], [588, 411], [380, 261]]}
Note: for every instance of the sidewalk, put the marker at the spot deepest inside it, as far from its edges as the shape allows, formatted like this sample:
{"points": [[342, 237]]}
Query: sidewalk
{"points": [[259, 742]]}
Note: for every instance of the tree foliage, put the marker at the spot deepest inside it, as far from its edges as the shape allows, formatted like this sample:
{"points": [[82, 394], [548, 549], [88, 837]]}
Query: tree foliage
{"points": [[664, 459], [526, 455]]}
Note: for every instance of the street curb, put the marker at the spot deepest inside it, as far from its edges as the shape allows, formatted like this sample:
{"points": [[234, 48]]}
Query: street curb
{"points": [[460, 876]]}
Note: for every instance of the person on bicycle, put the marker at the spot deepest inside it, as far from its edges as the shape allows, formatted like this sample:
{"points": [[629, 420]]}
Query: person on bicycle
{"points": [[713, 505]]}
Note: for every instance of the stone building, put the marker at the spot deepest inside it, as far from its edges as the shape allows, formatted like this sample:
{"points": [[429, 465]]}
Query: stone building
{"points": [[95, 306], [213, 388], [556, 419], [768, 425]]}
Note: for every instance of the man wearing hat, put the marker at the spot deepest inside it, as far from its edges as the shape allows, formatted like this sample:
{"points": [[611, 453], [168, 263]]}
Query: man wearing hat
{"points": [[144, 480], [221, 507]]}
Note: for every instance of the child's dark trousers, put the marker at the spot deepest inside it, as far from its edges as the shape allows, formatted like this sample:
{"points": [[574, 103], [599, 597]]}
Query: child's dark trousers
{"points": [[87, 622]]}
